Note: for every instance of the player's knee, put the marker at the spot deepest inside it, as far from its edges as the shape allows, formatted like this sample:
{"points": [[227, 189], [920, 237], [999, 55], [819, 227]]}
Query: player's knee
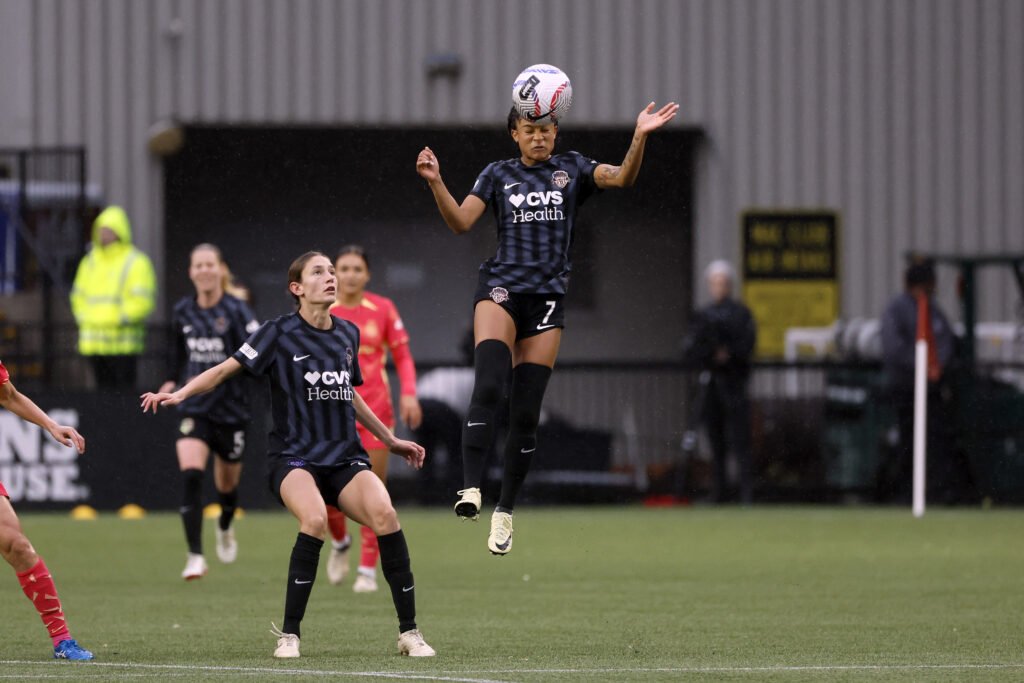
{"points": [[314, 524], [384, 520], [19, 551], [492, 360], [530, 381], [524, 419]]}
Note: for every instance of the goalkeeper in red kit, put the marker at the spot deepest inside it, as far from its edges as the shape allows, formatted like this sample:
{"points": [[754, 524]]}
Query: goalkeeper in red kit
{"points": [[380, 332], [16, 549]]}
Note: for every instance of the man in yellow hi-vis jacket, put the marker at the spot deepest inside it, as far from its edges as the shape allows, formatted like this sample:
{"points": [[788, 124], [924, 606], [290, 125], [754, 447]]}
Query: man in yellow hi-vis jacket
{"points": [[113, 294]]}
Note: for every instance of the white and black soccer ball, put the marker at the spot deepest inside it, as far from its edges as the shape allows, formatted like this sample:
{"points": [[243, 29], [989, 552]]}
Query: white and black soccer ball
{"points": [[542, 93]]}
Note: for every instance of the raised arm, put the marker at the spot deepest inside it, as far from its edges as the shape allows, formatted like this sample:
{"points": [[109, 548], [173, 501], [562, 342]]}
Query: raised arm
{"points": [[200, 384], [624, 175], [460, 218]]}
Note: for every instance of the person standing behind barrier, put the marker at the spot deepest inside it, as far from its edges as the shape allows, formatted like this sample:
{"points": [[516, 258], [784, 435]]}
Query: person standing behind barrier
{"points": [[899, 330], [721, 343], [380, 331], [207, 327], [114, 291]]}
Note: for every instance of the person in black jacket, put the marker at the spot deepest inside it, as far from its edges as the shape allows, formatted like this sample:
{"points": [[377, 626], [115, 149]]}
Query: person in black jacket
{"points": [[899, 335], [720, 343]]}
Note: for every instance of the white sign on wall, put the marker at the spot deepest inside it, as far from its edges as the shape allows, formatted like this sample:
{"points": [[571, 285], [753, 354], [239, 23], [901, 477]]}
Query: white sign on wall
{"points": [[33, 466]]}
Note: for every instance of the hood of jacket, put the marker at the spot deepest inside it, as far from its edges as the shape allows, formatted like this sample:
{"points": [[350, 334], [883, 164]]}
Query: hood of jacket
{"points": [[115, 218]]}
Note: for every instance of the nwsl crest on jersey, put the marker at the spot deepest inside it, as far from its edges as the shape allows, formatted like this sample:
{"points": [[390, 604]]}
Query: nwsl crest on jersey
{"points": [[499, 295], [560, 178]]}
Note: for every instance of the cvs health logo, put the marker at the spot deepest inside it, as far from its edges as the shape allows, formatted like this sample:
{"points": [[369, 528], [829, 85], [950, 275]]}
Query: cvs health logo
{"points": [[549, 204], [329, 385]]}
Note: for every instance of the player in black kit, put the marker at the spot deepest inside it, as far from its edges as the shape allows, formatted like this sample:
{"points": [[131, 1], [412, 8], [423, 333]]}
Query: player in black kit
{"points": [[207, 327], [311, 360], [518, 315]]}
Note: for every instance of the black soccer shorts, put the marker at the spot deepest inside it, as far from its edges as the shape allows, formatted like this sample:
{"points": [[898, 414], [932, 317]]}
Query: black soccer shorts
{"points": [[531, 313], [226, 441]]}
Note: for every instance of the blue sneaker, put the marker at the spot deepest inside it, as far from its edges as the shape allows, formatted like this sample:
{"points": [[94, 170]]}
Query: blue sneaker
{"points": [[69, 649]]}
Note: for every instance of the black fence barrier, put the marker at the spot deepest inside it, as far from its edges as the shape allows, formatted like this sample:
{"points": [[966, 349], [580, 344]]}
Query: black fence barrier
{"points": [[610, 433]]}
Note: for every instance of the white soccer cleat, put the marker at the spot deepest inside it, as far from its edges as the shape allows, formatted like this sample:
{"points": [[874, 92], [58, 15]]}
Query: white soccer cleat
{"points": [[227, 546], [468, 506], [411, 643], [337, 563], [195, 567], [500, 540], [287, 644], [365, 583]]}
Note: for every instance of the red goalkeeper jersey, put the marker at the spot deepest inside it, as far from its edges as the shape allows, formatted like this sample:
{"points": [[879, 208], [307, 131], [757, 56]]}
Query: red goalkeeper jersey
{"points": [[380, 330]]}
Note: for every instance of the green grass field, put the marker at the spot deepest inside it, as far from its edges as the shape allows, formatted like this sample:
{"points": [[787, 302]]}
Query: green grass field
{"points": [[587, 594]]}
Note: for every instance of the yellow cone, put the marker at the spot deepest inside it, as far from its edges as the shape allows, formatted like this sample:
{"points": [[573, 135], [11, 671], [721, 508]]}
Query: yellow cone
{"points": [[131, 511], [83, 512]]}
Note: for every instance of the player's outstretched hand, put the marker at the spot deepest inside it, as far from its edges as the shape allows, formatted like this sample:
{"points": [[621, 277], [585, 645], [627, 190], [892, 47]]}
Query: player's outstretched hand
{"points": [[427, 166], [411, 451], [162, 398], [646, 121], [68, 436]]}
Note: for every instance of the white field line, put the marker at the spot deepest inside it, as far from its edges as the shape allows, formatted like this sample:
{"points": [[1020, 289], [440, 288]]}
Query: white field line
{"points": [[81, 670]]}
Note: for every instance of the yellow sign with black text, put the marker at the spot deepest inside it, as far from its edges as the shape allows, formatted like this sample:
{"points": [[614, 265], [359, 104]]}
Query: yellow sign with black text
{"points": [[790, 273]]}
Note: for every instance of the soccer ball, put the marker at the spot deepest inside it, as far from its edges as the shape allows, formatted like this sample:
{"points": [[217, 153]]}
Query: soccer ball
{"points": [[542, 94]]}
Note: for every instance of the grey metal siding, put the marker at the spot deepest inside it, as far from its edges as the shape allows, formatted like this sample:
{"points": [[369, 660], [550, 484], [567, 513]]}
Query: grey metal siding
{"points": [[903, 115]]}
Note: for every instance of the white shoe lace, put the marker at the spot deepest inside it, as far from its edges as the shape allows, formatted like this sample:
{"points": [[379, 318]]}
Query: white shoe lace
{"points": [[282, 636]]}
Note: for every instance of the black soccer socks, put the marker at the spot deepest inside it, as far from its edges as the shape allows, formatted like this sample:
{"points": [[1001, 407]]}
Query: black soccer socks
{"points": [[492, 360], [397, 570], [301, 574], [192, 509], [529, 382], [228, 502]]}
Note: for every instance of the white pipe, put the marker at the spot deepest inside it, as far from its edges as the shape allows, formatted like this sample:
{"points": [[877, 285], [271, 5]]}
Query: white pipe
{"points": [[920, 423]]}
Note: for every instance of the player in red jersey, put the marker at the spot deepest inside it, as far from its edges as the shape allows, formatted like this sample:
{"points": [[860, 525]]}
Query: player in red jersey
{"points": [[32, 573], [380, 331]]}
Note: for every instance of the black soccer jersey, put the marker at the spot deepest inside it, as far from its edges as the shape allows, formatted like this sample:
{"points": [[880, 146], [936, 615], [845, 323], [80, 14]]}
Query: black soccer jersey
{"points": [[312, 373], [203, 338], [535, 210]]}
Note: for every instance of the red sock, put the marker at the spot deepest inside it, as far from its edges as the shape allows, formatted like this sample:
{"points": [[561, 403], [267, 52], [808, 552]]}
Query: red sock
{"points": [[336, 523], [39, 588], [371, 552]]}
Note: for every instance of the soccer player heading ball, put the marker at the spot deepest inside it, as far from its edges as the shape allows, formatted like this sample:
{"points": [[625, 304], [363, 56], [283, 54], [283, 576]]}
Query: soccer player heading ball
{"points": [[316, 459], [518, 314]]}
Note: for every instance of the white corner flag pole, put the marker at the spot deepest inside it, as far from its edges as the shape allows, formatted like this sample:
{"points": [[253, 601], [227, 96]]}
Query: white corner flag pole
{"points": [[920, 421]]}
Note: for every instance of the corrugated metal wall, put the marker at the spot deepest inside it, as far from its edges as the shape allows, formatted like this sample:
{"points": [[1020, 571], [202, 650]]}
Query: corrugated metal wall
{"points": [[906, 116]]}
